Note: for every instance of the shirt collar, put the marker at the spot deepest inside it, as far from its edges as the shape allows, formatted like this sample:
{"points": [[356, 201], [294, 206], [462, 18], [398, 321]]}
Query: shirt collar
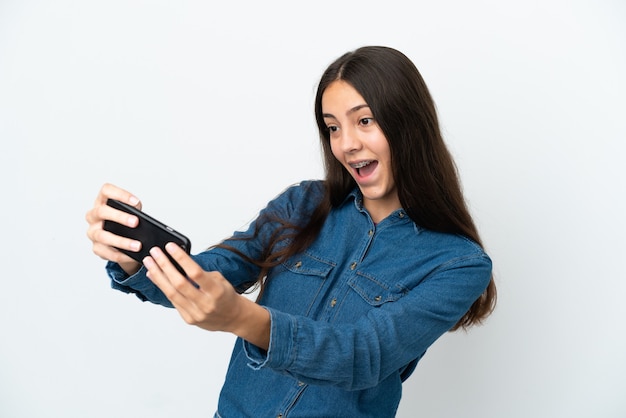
{"points": [[397, 216]]}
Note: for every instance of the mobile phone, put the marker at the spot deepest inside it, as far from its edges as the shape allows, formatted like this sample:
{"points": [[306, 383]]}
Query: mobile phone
{"points": [[150, 232]]}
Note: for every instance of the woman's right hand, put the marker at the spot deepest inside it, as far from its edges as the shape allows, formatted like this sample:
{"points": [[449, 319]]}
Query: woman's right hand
{"points": [[105, 243]]}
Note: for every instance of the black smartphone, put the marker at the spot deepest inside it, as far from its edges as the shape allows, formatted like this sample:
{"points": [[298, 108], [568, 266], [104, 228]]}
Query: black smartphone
{"points": [[150, 232]]}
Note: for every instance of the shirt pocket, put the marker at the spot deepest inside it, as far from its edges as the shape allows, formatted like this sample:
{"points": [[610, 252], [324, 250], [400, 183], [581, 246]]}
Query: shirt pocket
{"points": [[297, 285], [308, 265], [373, 291]]}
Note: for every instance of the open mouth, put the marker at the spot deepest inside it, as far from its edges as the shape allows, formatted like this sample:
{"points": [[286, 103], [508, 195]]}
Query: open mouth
{"points": [[365, 168]]}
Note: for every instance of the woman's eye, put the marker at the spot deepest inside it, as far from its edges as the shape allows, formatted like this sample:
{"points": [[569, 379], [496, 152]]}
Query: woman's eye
{"points": [[332, 129], [366, 121]]}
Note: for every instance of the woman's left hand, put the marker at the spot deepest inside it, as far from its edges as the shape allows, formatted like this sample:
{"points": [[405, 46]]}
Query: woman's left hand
{"points": [[213, 304]]}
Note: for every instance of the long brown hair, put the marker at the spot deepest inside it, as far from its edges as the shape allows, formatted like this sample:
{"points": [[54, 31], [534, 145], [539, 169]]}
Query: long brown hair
{"points": [[424, 171]]}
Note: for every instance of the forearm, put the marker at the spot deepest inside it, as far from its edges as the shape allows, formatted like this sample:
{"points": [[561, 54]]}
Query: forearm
{"points": [[130, 267], [253, 324], [359, 353]]}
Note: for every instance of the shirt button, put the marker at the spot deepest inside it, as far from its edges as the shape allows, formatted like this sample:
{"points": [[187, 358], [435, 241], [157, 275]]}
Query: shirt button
{"points": [[300, 384], [333, 302], [370, 232], [401, 214], [353, 266], [378, 298], [298, 264]]}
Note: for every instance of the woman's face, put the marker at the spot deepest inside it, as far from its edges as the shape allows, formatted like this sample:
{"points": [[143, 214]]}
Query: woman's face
{"points": [[359, 145]]}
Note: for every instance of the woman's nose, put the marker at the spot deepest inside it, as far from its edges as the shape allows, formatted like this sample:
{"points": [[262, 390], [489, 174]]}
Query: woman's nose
{"points": [[350, 141]]}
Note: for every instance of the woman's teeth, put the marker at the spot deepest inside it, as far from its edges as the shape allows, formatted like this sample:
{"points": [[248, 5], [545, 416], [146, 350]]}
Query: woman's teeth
{"points": [[361, 164], [358, 166]]}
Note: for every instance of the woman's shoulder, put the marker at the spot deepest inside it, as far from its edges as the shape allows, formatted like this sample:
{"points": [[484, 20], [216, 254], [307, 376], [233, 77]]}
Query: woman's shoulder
{"points": [[308, 190], [314, 186], [298, 200], [452, 247]]}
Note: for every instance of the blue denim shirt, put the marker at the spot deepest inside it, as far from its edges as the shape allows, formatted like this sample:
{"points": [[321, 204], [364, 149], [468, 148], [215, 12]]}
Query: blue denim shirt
{"points": [[350, 317]]}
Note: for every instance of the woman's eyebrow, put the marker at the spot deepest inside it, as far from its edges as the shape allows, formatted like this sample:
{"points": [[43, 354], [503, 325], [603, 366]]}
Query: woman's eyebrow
{"points": [[352, 110]]}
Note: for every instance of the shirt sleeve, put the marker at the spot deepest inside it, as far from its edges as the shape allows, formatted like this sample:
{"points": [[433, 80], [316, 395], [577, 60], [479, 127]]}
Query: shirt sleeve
{"points": [[360, 355], [293, 205], [137, 284]]}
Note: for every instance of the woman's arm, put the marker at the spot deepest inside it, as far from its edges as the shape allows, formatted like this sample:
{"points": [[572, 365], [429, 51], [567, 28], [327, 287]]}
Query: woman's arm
{"points": [[292, 205], [360, 354], [206, 299]]}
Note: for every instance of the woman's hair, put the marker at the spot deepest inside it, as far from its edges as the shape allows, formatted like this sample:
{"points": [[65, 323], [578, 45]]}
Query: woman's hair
{"points": [[424, 171]]}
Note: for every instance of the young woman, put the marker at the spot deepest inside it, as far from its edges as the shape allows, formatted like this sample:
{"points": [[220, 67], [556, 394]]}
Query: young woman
{"points": [[360, 273]]}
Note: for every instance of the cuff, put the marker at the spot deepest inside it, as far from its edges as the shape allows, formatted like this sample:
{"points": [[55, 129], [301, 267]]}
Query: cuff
{"points": [[120, 280], [282, 349]]}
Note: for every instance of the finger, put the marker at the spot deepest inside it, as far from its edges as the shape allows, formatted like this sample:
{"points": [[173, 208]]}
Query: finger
{"points": [[210, 288], [109, 253], [183, 259], [156, 275], [193, 305], [102, 211], [160, 279], [172, 286], [99, 236], [180, 282], [109, 190], [193, 271], [105, 244], [106, 212]]}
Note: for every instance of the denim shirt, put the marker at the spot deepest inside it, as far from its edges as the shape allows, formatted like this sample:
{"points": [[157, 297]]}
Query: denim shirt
{"points": [[350, 316]]}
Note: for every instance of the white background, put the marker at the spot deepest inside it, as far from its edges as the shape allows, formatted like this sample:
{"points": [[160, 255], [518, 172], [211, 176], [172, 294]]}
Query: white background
{"points": [[205, 111]]}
